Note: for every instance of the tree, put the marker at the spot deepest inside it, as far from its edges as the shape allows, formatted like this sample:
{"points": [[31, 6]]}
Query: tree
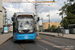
{"points": [[52, 27], [48, 27], [64, 8], [69, 10], [65, 22]]}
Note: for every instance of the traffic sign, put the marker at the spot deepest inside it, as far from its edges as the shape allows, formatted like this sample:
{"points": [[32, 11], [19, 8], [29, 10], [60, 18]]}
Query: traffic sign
{"points": [[5, 29]]}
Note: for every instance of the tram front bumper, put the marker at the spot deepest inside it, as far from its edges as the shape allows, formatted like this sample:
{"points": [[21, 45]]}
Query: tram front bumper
{"points": [[25, 37]]}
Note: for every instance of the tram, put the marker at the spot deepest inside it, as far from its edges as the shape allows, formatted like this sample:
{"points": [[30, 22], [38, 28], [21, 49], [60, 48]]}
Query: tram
{"points": [[23, 26]]}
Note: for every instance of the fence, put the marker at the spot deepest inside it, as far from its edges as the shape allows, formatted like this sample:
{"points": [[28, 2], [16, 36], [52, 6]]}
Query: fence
{"points": [[52, 30]]}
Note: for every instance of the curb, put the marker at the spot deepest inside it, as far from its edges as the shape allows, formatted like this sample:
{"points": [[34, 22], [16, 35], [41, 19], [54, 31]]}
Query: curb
{"points": [[49, 35], [66, 38], [5, 41], [57, 36]]}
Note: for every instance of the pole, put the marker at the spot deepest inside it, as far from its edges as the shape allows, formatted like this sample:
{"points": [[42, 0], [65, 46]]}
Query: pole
{"points": [[7, 21], [58, 28], [36, 17], [19, 5], [49, 20], [63, 26], [58, 31], [42, 24]]}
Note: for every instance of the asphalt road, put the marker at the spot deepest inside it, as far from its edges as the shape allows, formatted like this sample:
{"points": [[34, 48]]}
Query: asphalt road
{"points": [[60, 42], [46, 43]]}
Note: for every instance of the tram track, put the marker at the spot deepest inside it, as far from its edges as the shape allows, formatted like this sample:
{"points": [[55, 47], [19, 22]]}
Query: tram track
{"points": [[41, 46], [22, 46]]}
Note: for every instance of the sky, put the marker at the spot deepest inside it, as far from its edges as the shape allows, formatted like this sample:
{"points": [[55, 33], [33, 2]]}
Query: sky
{"points": [[43, 9]]}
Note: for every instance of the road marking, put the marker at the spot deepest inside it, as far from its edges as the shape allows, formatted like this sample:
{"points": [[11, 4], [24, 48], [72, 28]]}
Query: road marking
{"points": [[41, 46], [53, 44], [22, 46]]}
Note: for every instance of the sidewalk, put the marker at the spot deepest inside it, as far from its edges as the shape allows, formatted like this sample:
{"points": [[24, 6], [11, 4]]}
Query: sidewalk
{"points": [[5, 37], [70, 36]]}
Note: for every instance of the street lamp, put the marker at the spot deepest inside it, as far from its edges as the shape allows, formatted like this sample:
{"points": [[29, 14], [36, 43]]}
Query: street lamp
{"points": [[62, 25], [42, 24], [7, 21], [49, 19]]}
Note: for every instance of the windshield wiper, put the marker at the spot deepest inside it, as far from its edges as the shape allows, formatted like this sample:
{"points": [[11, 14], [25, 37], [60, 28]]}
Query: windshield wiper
{"points": [[30, 25]]}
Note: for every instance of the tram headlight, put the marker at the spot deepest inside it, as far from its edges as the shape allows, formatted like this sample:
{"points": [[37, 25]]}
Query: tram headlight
{"points": [[31, 31], [19, 31]]}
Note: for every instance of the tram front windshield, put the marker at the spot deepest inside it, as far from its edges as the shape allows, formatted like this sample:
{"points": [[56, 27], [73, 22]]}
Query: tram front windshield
{"points": [[25, 23]]}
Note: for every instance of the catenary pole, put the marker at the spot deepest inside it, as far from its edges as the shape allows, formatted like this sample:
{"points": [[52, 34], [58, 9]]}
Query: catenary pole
{"points": [[36, 13]]}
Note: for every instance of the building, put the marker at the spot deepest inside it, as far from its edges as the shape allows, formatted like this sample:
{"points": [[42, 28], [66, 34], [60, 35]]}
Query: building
{"points": [[10, 27], [46, 24], [2, 16], [1, 22]]}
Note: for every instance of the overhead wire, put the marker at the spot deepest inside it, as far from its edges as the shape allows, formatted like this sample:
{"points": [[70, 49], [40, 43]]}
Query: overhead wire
{"points": [[48, 6], [19, 5]]}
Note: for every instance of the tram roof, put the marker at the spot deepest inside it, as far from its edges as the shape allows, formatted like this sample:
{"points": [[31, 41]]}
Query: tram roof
{"points": [[24, 13]]}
